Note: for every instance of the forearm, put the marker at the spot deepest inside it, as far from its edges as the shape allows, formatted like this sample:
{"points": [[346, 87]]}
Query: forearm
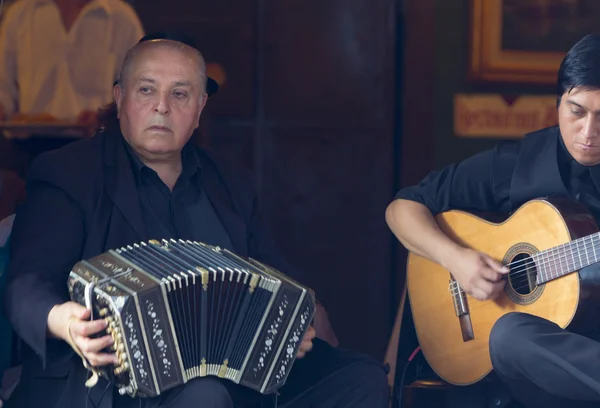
{"points": [[415, 227], [27, 307]]}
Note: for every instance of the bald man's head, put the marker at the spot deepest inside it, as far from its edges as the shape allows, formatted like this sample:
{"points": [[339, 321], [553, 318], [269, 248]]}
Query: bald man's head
{"points": [[160, 96], [137, 52]]}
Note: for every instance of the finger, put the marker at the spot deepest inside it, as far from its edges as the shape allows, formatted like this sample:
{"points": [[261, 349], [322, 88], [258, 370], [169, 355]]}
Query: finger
{"points": [[84, 314], [480, 295], [310, 333], [495, 265], [101, 359], [89, 345], [497, 289], [76, 310], [476, 294], [490, 274], [86, 329], [306, 346], [483, 289]]}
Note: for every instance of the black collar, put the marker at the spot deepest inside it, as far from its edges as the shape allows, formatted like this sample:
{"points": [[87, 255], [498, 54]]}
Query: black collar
{"points": [[120, 187], [570, 167], [190, 162]]}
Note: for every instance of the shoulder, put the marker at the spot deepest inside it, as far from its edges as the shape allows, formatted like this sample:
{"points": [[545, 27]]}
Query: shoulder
{"points": [[543, 135], [503, 152], [511, 149], [74, 167], [507, 149]]}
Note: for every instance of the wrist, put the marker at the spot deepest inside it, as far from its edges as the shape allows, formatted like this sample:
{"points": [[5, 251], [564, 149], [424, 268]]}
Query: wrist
{"points": [[448, 254], [54, 329]]}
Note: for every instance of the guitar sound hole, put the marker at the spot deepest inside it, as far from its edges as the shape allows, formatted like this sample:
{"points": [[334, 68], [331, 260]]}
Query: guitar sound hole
{"points": [[521, 285], [523, 274]]}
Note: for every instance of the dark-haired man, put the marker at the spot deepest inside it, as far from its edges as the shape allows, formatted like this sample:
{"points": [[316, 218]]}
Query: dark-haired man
{"points": [[138, 180], [543, 365]]}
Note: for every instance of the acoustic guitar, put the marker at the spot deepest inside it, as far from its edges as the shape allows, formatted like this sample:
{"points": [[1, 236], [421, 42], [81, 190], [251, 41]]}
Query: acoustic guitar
{"points": [[546, 243]]}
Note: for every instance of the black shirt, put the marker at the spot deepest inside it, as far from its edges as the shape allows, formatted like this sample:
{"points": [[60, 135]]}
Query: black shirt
{"points": [[483, 181], [184, 213]]}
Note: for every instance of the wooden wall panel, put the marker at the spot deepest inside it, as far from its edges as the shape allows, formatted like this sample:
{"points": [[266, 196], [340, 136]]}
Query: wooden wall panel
{"points": [[233, 143], [325, 61], [325, 194]]}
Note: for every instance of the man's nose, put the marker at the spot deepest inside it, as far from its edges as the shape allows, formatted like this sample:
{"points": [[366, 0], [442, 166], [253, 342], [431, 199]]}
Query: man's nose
{"points": [[162, 103], [591, 129]]}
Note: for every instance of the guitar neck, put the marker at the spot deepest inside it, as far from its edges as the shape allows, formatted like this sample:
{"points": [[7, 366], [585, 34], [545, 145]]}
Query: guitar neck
{"points": [[566, 258]]}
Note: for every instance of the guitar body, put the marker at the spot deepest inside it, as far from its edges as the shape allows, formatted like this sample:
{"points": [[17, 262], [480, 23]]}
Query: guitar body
{"points": [[536, 226]]}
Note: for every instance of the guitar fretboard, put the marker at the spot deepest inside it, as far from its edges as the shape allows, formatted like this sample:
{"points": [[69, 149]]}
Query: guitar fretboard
{"points": [[566, 258]]}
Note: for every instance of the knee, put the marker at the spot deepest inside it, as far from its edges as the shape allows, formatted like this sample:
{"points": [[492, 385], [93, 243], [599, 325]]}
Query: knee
{"points": [[509, 334], [369, 379], [210, 391]]}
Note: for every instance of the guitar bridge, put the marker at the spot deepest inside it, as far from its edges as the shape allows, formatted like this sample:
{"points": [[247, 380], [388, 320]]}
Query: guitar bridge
{"points": [[461, 308], [459, 298]]}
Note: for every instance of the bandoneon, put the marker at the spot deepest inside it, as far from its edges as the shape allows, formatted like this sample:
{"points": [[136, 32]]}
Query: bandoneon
{"points": [[178, 310]]}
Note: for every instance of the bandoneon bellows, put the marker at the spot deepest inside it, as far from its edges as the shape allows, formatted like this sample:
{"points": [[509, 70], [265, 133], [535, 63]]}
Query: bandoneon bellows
{"points": [[178, 310]]}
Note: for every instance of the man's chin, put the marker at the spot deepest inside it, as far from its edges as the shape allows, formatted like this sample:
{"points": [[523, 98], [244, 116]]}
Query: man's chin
{"points": [[588, 156], [156, 150]]}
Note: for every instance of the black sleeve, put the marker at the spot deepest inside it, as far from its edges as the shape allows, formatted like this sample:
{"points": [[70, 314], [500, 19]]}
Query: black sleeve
{"points": [[479, 183], [46, 241]]}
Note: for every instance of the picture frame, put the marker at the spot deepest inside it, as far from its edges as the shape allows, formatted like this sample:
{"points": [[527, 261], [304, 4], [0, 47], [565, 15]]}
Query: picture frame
{"points": [[524, 41]]}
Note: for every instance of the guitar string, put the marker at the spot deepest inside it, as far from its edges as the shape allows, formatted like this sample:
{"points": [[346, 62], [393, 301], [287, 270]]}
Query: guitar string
{"points": [[561, 247], [521, 275], [550, 254], [517, 274], [551, 259], [516, 283]]}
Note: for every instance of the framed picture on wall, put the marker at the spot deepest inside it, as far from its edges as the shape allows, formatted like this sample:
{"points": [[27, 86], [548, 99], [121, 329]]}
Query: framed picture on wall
{"points": [[524, 41]]}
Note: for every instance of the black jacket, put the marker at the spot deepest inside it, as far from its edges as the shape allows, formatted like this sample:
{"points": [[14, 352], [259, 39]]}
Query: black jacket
{"points": [[82, 201]]}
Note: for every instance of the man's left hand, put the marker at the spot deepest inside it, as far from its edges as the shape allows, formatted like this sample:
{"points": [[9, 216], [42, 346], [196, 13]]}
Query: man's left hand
{"points": [[306, 344]]}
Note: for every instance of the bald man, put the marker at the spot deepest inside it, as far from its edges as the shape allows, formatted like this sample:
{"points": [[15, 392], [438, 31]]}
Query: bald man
{"points": [[138, 180]]}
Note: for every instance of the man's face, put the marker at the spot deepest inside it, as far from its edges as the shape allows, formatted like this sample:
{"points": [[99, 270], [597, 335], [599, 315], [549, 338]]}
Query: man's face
{"points": [[579, 122], [161, 101]]}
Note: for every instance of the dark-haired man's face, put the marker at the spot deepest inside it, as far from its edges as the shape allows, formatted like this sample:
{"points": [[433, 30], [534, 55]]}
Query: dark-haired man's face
{"points": [[160, 102], [579, 121]]}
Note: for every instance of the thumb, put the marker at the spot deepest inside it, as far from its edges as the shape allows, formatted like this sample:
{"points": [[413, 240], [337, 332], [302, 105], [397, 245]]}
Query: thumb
{"points": [[80, 311], [495, 265]]}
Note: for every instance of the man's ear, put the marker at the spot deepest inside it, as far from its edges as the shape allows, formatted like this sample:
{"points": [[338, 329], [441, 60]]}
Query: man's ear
{"points": [[203, 102], [202, 105], [118, 94]]}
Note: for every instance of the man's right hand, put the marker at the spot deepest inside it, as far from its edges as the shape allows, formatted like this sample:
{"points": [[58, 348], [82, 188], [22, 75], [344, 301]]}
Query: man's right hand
{"points": [[478, 275], [81, 328]]}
